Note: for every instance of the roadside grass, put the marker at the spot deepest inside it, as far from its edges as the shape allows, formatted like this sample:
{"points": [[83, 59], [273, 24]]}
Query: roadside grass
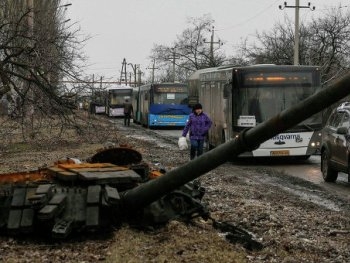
{"points": [[52, 132], [175, 242]]}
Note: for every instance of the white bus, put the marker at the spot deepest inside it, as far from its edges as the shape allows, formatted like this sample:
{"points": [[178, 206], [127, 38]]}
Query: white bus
{"points": [[238, 98], [116, 97]]}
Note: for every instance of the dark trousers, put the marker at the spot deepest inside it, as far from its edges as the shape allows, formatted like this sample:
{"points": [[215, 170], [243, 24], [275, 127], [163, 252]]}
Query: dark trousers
{"points": [[196, 148], [127, 119]]}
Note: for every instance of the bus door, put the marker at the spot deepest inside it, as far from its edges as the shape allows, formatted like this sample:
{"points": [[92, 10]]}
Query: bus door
{"points": [[144, 101], [227, 93], [221, 111], [213, 101]]}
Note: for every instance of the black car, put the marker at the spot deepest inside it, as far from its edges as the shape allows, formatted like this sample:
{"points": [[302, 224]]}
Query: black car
{"points": [[336, 143]]}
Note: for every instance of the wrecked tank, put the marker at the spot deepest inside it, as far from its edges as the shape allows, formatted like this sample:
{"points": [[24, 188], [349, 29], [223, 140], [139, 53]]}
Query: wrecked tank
{"points": [[71, 196], [115, 186]]}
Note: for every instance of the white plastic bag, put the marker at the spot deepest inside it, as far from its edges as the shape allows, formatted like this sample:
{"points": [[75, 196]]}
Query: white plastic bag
{"points": [[182, 143]]}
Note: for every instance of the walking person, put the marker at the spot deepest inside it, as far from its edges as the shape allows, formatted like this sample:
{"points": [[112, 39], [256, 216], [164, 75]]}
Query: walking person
{"points": [[128, 112], [198, 126]]}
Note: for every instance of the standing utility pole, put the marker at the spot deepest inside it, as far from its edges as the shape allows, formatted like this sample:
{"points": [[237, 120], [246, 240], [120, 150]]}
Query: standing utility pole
{"points": [[139, 73], [30, 22], [174, 57], [123, 76], [134, 69], [153, 68], [212, 42], [296, 29]]}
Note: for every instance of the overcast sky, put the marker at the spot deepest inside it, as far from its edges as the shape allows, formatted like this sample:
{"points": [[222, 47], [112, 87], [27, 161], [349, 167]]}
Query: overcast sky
{"points": [[129, 29]]}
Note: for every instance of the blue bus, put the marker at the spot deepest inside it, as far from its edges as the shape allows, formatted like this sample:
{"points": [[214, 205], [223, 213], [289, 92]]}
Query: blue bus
{"points": [[161, 105]]}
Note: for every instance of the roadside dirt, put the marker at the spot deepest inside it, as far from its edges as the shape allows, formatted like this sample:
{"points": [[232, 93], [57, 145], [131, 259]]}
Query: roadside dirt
{"points": [[295, 221]]}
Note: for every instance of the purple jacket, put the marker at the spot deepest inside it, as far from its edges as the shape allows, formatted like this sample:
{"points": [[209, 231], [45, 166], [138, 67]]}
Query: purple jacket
{"points": [[198, 125]]}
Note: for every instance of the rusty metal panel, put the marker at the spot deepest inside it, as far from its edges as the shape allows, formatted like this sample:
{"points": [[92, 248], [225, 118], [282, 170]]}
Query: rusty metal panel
{"points": [[93, 195], [111, 177], [27, 220], [18, 198]]}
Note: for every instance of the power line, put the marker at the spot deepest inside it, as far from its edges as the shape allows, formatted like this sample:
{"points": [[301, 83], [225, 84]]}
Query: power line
{"points": [[249, 19], [94, 82]]}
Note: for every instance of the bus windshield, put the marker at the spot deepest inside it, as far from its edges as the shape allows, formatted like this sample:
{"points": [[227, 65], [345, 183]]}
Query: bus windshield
{"points": [[262, 96], [118, 96]]}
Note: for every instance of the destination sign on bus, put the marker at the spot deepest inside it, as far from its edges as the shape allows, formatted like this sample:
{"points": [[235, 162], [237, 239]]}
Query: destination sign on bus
{"points": [[166, 89], [121, 91], [300, 78]]}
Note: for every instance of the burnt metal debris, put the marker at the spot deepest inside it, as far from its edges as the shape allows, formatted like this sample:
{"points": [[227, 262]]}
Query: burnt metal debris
{"points": [[115, 186], [72, 197]]}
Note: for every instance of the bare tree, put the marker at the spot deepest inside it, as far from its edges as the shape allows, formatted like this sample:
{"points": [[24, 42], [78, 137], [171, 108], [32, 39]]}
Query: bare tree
{"points": [[274, 46], [189, 51], [38, 49], [324, 42], [328, 44]]}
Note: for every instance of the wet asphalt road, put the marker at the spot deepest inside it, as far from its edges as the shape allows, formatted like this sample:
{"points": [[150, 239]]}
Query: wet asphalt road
{"points": [[308, 170]]}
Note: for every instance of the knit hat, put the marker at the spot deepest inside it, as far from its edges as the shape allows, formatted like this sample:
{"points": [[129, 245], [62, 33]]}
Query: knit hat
{"points": [[197, 106]]}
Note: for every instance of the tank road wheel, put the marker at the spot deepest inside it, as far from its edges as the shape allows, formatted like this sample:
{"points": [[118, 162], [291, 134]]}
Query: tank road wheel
{"points": [[328, 173]]}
